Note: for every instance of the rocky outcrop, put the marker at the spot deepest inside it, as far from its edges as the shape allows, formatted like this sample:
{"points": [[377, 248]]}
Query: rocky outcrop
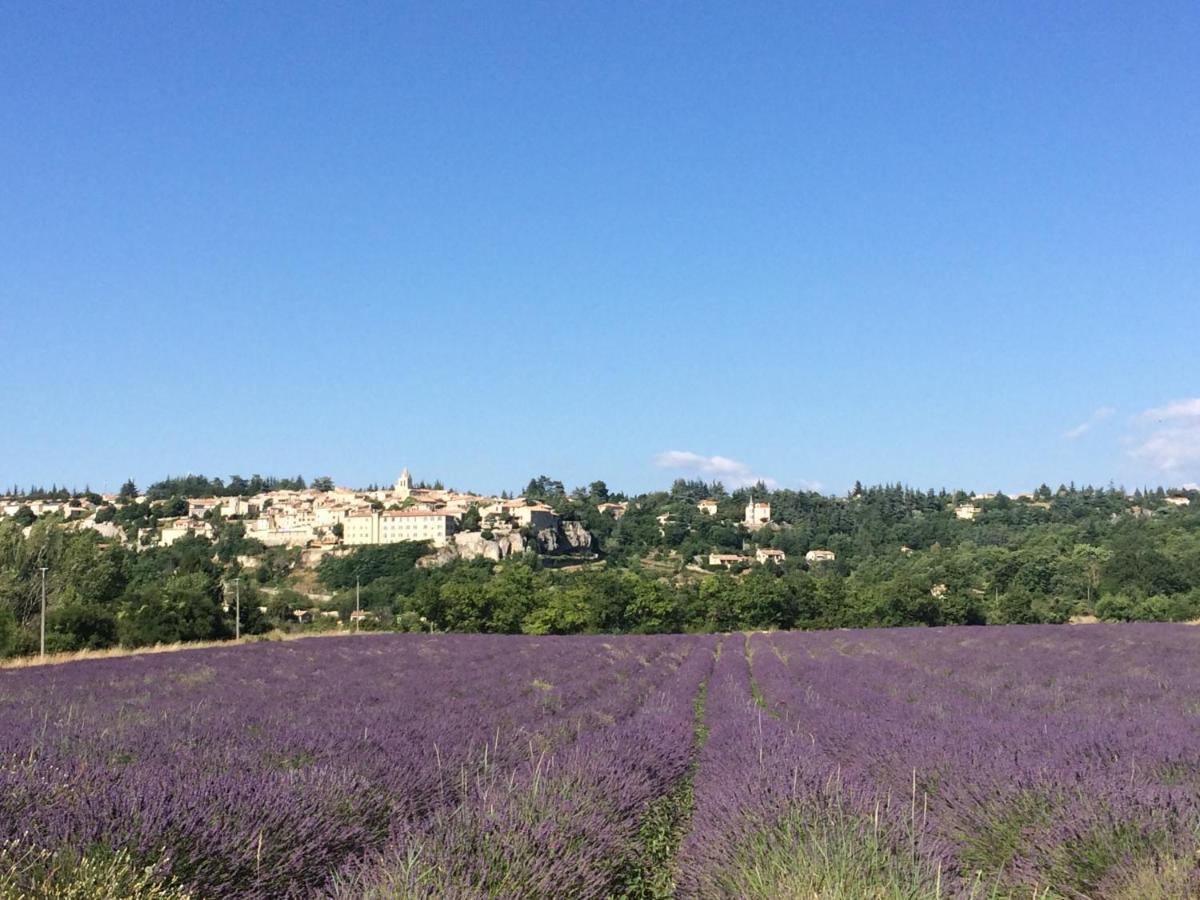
{"points": [[568, 537], [473, 545], [579, 539]]}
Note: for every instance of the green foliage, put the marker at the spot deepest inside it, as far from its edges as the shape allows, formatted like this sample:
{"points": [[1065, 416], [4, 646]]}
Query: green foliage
{"points": [[651, 876], [31, 872], [370, 562], [8, 631], [546, 490], [471, 519], [282, 604], [180, 608], [1003, 833], [81, 625], [903, 558], [200, 486], [654, 607], [564, 611], [1158, 608], [832, 855]]}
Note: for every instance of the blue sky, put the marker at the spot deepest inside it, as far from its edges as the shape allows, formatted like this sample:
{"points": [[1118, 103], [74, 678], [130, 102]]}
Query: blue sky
{"points": [[945, 244]]}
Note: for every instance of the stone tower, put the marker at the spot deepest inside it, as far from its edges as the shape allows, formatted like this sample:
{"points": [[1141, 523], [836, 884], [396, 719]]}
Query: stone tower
{"points": [[404, 484]]}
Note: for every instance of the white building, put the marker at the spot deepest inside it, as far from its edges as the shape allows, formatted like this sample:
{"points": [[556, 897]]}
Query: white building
{"points": [[174, 529], [284, 537], [966, 511], [393, 526], [328, 516], [526, 515], [708, 507], [769, 554], [816, 556], [199, 506], [757, 514], [404, 484]]}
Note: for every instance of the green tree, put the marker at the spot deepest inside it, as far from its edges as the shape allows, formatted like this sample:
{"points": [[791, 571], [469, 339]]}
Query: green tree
{"points": [[8, 630], [719, 602], [654, 609], [80, 625], [512, 594], [563, 610], [762, 600], [180, 608], [471, 519], [370, 562], [465, 602], [546, 489]]}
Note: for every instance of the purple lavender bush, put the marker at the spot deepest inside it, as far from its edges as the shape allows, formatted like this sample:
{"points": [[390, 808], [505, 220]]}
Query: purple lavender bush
{"points": [[1013, 762], [259, 770]]}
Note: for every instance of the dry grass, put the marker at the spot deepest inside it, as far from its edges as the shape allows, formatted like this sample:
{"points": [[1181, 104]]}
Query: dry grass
{"points": [[53, 659], [1092, 620]]}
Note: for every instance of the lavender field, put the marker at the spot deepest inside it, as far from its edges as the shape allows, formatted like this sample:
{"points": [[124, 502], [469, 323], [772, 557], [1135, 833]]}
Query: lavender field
{"points": [[1015, 762]]}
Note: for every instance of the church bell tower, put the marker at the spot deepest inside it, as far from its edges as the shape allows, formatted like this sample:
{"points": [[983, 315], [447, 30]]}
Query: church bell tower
{"points": [[404, 484]]}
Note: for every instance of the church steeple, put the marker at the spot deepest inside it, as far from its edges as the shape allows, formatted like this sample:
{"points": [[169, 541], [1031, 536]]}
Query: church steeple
{"points": [[404, 484]]}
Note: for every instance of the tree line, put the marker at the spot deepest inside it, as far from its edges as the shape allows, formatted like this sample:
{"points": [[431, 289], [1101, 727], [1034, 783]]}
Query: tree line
{"points": [[902, 558]]}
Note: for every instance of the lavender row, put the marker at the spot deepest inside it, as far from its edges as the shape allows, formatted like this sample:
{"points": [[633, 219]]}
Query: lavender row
{"points": [[256, 771], [771, 815], [1060, 760], [564, 824]]}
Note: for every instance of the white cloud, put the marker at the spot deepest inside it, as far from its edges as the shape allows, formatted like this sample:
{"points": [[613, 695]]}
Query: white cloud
{"points": [[729, 471], [708, 465], [1084, 427], [1173, 443], [1171, 449], [1179, 409]]}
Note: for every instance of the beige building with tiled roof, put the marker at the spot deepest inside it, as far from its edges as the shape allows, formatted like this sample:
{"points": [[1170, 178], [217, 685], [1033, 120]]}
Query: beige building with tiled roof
{"points": [[392, 526], [758, 513]]}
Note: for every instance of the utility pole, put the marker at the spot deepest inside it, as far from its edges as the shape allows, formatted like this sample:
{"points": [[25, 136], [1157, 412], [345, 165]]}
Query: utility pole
{"points": [[237, 615], [43, 568], [357, 602]]}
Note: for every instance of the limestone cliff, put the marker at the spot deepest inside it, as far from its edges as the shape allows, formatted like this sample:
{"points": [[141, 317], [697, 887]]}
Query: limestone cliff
{"points": [[473, 545], [568, 537]]}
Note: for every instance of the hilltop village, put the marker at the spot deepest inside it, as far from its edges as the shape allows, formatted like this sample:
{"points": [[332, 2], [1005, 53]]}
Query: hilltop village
{"points": [[318, 521], [195, 558]]}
